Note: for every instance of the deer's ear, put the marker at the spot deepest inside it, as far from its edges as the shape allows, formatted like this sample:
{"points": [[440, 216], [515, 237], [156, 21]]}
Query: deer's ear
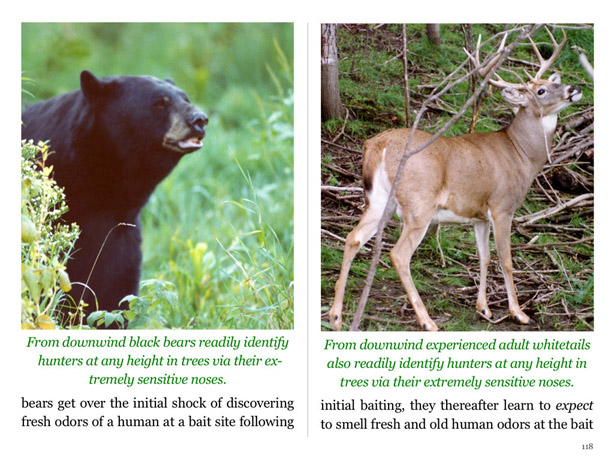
{"points": [[554, 78], [514, 96]]}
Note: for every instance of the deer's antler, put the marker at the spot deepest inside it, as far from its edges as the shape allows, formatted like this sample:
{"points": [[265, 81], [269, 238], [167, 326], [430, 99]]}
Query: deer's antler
{"points": [[544, 64]]}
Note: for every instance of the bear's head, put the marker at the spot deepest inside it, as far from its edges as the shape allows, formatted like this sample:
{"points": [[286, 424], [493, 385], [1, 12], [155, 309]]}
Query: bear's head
{"points": [[144, 113]]}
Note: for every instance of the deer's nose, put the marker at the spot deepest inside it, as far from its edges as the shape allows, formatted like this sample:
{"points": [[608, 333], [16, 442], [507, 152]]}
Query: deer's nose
{"points": [[574, 93]]}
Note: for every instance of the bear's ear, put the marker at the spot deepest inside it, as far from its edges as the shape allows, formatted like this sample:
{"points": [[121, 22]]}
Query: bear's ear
{"points": [[91, 87], [170, 80]]}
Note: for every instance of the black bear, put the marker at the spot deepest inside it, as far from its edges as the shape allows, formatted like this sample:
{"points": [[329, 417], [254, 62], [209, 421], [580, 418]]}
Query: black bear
{"points": [[113, 140]]}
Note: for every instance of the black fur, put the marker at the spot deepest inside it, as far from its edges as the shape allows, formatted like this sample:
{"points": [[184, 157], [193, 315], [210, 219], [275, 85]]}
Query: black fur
{"points": [[110, 152]]}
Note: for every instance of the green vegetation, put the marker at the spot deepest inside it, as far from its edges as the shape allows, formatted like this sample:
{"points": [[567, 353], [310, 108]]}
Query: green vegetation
{"points": [[371, 74], [554, 273], [45, 244], [218, 232]]}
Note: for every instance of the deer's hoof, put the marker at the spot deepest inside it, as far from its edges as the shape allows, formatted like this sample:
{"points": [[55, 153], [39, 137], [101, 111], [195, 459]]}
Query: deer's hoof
{"points": [[523, 319], [429, 326], [335, 321]]}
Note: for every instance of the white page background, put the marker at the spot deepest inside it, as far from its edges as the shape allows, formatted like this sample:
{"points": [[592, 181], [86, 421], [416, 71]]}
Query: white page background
{"points": [[303, 378]]}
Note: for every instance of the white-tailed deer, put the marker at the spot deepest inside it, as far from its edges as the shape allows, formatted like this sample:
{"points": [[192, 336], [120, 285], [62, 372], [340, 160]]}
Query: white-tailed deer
{"points": [[478, 178]]}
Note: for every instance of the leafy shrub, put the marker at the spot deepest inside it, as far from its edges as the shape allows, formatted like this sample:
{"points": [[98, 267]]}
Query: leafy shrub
{"points": [[46, 243]]}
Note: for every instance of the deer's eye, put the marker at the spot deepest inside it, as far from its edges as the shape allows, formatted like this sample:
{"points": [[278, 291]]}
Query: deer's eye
{"points": [[541, 91]]}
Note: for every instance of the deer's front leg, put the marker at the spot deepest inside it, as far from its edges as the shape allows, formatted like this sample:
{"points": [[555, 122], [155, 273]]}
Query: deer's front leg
{"points": [[502, 224], [482, 232]]}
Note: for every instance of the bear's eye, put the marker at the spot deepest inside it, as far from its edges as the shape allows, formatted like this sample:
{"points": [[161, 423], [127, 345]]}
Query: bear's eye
{"points": [[185, 98], [161, 103]]}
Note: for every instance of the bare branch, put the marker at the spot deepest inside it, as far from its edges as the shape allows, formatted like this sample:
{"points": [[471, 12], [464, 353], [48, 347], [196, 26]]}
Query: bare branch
{"points": [[576, 201]]}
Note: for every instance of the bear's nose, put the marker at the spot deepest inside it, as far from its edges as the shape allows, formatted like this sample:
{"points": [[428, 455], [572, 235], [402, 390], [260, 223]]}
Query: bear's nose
{"points": [[199, 120]]}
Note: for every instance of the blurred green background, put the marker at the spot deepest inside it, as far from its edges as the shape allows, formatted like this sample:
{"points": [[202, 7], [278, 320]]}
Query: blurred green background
{"points": [[218, 232]]}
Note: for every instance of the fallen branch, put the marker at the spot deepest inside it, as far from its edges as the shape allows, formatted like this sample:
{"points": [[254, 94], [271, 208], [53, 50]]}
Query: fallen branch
{"points": [[576, 201], [341, 189]]}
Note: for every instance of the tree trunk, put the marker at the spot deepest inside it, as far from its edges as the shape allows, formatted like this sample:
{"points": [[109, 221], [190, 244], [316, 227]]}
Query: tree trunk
{"points": [[331, 100], [406, 79], [432, 32]]}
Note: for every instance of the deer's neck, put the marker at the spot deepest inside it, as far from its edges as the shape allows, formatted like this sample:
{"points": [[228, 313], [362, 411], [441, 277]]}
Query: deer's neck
{"points": [[532, 136]]}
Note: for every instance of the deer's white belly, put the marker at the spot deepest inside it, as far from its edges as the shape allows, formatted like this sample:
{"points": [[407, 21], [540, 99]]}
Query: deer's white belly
{"points": [[443, 216]]}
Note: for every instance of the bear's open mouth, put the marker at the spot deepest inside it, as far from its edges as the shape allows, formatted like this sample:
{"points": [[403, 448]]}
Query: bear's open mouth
{"points": [[186, 146], [191, 143]]}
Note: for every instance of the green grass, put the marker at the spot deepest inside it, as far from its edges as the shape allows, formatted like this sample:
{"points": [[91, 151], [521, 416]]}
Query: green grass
{"points": [[371, 78], [219, 231]]}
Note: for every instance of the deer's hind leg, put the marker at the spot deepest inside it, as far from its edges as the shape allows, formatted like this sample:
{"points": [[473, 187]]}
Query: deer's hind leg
{"points": [[362, 233], [414, 228]]}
